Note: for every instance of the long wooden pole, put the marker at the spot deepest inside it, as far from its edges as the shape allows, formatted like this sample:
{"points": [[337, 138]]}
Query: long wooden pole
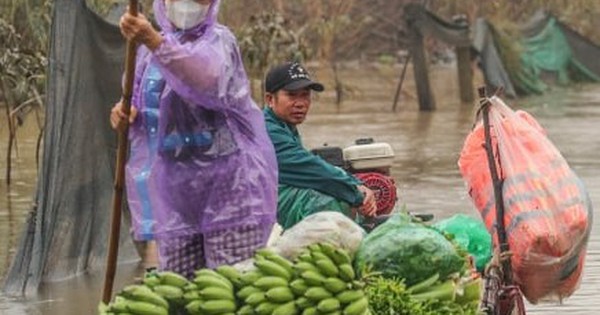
{"points": [[465, 74], [419, 61], [115, 222], [8, 97], [399, 87], [463, 63], [498, 183]]}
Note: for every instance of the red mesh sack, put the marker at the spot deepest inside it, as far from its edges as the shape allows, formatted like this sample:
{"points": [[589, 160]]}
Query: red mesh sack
{"points": [[548, 212]]}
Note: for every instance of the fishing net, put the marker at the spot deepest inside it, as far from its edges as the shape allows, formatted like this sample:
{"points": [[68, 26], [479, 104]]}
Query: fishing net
{"points": [[550, 53], [543, 52], [66, 232]]}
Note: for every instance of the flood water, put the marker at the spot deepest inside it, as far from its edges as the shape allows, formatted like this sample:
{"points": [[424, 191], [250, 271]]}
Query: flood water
{"points": [[426, 145]]}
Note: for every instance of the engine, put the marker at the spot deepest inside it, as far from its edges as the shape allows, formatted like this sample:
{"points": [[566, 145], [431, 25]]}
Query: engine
{"points": [[370, 162]]}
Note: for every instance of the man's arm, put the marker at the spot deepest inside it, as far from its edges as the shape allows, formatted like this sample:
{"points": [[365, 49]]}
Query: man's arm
{"points": [[300, 168]]}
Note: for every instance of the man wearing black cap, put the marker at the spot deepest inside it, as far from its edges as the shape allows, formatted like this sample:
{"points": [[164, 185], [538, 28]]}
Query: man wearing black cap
{"points": [[307, 183]]}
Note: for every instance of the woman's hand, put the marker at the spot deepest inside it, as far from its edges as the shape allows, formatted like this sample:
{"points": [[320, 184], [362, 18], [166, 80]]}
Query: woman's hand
{"points": [[138, 28], [118, 117], [369, 205]]}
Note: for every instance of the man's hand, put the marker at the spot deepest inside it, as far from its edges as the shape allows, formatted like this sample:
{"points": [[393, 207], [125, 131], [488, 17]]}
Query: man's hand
{"points": [[369, 205], [138, 28], [118, 117]]}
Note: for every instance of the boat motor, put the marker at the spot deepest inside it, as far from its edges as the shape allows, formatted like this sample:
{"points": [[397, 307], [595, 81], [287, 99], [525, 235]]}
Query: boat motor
{"points": [[370, 162]]}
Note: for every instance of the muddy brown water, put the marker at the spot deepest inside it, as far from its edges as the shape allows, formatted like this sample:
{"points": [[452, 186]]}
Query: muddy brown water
{"points": [[426, 145]]}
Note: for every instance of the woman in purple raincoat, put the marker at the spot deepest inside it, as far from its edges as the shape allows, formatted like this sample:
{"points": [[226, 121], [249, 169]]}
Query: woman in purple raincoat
{"points": [[202, 172]]}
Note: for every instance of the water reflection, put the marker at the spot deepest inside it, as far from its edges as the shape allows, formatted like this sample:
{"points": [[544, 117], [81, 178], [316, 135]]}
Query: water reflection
{"points": [[10, 231], [16, 199]]}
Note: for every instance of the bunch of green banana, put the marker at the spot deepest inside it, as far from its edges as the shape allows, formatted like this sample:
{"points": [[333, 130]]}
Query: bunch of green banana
{"points": [[211, 292], [327, 282], [267, 290], [168, 284], [151, 278], [137, 300]]}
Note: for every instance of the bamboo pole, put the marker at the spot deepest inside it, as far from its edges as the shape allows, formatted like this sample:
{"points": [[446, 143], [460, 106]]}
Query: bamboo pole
{"points": [[115, 223], [498, 183]]}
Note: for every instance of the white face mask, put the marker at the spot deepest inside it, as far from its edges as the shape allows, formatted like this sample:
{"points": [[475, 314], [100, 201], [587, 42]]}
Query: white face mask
{"points": [[185, 14]]}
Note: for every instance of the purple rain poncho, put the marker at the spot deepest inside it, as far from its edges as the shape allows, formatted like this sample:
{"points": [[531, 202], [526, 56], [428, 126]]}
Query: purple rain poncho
{"points": [[207, 164]]}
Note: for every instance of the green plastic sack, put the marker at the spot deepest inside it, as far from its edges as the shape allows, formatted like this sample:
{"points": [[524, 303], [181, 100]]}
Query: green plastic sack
{"points": [[472, 235], [403, 249]]}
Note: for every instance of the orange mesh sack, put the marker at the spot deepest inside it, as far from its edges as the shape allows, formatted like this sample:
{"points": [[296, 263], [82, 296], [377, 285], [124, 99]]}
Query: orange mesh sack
{"points": [[548, 212]]}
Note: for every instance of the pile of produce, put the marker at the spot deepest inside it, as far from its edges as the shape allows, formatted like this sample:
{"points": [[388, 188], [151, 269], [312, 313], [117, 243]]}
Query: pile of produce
{"points": [[418, 270], [430, 297], [160, 292], [401, 267], [403, 249], [211, 292], [321, 281]]}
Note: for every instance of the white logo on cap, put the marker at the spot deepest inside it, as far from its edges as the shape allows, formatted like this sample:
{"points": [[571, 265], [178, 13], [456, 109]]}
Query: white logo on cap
{"points": [[297, 72]]}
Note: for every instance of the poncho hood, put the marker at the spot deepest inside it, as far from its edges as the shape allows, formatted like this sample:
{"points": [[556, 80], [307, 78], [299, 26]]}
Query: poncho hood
{"points": [[160, 14]]}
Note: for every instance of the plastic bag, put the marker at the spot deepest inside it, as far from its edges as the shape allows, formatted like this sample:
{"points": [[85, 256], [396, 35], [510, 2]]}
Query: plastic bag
{"points": [[275, 234], [327, 226], [295, 204], [548, 212], [400, 248], [471, 234]]}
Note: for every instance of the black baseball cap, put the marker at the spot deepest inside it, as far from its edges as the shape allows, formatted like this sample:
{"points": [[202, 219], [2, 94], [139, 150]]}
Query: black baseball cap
{"points": [[290, 76]]}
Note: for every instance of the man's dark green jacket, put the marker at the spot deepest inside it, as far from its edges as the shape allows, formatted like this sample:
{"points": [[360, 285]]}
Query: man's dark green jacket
{"points": [[300, 168]]}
